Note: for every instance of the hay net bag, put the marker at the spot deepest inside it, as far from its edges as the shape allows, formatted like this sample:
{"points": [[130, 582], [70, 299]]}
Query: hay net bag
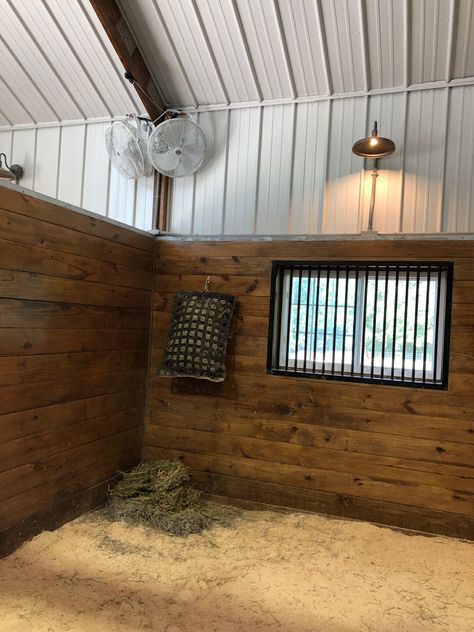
{"points": [[198, 336]]}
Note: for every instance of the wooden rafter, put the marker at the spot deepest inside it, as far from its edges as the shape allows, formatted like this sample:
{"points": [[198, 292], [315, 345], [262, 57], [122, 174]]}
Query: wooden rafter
{"points": [[126, 48]]}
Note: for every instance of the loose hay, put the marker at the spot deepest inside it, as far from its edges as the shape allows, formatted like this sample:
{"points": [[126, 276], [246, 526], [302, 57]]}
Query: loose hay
{"points": [[160, 494]]}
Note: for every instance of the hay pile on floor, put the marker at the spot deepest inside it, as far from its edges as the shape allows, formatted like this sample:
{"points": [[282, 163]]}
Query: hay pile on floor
{"points": [[159, 494]]}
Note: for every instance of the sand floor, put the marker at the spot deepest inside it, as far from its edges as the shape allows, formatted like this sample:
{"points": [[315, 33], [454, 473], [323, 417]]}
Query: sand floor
{"points": [[270, 572]]}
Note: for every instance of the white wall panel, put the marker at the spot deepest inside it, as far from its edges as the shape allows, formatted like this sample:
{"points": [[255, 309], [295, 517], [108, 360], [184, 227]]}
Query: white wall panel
{"points": [[23, 153], [309, 168], [341, 212], [144, 203], [97, 168], [6, 140], [181, 210], [290, 170], [275, 170], [70, 163], [242, 171], [121, 198], [459, 181], [47, 160], [210, 180], [424, 161]]}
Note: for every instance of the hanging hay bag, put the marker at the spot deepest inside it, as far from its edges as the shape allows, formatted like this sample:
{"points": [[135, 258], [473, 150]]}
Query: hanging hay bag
{"points": [[198, 336]]}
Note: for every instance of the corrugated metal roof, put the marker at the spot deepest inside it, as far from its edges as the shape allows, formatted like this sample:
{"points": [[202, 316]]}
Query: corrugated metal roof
{"points": [[221, 52], [57, 64]]}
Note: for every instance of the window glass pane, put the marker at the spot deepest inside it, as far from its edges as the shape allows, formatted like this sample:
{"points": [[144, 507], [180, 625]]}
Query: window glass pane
{"points": [[368, 321], [321, 330]]}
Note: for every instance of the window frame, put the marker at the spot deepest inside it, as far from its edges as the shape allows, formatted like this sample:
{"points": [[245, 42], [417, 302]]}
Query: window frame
{"points": [[383, 270]]}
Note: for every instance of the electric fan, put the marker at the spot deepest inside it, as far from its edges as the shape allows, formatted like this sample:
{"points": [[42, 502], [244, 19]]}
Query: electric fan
{"points": [[177, 147], [141, 129], [127, 145], [124, 151]]}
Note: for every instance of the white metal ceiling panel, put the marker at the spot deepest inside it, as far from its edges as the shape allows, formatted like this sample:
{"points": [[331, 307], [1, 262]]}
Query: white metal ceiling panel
{"points": [[191, 45], [93, 60], [386, 43], [42, 27], [209, 53], [345, 37], [152, 35], [262, 28], [21, 85], [31, 57], [306, 46], [57, 64], [463, 39], [429, 47], [221, 23]]}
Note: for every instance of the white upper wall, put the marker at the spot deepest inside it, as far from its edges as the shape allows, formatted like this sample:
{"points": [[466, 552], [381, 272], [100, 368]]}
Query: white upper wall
{"points": [[206, 53], [290, 170], [69, 162], [57, 64]]}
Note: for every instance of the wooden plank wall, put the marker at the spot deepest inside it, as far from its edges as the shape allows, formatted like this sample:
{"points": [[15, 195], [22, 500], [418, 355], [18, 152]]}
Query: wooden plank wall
{"points": [[394, 455], [75, 296]]}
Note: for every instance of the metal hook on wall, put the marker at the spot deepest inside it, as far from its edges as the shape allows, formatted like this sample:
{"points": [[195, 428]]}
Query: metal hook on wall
{"points": [[207, 284]]}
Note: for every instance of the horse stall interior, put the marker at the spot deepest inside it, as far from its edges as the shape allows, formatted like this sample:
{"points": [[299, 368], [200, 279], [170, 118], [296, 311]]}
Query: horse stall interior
{"points": [[320, 478]]}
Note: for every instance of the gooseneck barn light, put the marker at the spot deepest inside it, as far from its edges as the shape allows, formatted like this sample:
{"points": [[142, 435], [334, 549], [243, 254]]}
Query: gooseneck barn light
{"points": [[9, 172], [375, 147]]}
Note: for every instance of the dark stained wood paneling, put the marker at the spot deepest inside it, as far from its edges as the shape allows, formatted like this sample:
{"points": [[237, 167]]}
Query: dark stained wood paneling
{"points": [[75, 301], [394, 455]]}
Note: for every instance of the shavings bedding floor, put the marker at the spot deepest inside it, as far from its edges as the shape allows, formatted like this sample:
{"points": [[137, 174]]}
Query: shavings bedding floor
{"points": [[269, 572]]}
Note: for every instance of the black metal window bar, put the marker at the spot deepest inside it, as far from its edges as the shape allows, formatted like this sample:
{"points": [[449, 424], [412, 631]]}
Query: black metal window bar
{"points": [[377, 322]]}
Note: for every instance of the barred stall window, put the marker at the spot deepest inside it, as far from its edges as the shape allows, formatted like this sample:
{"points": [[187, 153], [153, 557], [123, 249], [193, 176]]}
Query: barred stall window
{"points": [[361, 321]]}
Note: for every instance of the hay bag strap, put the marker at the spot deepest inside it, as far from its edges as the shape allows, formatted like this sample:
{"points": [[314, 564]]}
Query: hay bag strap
{"points": [[198, 336]]}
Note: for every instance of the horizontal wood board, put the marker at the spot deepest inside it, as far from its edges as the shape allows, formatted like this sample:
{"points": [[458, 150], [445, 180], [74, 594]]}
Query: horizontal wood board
{"points": [[394, 455], [75, 302]]}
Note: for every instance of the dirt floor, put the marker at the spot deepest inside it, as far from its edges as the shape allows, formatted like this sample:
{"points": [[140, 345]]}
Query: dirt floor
{"points": [[270, 572]]}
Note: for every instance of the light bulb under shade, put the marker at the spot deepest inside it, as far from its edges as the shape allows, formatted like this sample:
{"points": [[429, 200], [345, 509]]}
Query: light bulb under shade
{"points": [[6, 174], [367, 148]]}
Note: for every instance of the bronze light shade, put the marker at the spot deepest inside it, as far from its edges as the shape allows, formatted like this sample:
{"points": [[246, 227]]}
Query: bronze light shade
{"points": [[374, 146], [9, 172]]}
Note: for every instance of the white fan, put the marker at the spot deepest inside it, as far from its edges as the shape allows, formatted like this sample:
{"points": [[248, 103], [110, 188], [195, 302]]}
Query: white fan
{"points": [[141, 129], [177, 147], [126, 142]]}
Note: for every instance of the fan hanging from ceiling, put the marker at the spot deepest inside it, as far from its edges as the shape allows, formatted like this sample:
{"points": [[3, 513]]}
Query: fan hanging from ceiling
{"points": [[177, 147], [127, 145]]}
